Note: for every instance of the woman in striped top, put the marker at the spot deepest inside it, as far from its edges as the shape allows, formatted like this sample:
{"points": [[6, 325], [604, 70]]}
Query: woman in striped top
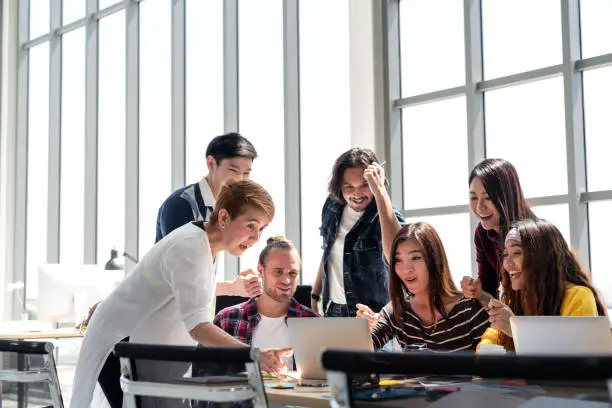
{"points": [[426, 308]]}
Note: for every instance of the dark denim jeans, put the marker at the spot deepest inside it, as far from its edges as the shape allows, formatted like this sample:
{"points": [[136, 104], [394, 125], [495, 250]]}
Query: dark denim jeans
{"points": [[337, 310]]}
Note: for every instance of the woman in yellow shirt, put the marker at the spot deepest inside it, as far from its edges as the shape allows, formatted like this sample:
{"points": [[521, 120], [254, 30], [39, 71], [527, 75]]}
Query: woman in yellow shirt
{"points": [[540, 277]]}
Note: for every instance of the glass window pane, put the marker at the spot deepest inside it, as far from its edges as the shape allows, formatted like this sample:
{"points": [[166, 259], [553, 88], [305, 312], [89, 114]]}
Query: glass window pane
{"points": [[111, 136], [558, 214], [38, 162], [155, 116], [261, 101], [600, 225], [40, 17], [525, 124], [596, 30], [72, 10], [435, 177], [325, 113], [204, 70], [73, 147], [454, 231], [598, 127], [102, 4], [520, 35], [432, 59]]}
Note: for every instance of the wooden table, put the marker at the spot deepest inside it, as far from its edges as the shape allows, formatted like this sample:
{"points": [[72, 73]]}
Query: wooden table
{"points": [[314, 397], [320, 396], [42, 335]]}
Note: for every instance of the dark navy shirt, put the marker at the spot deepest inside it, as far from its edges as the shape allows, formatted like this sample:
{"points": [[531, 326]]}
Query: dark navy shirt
{"points": [[365, 270], [182, 206]]}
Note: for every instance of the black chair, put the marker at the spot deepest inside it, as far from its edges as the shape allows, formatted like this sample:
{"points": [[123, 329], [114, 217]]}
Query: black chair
{"points": [[23, 376], [342, 366], [302, 295], [185, 388]]}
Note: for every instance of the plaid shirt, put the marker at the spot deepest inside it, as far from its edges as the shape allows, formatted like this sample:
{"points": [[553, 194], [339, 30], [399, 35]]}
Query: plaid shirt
{"points": [[241, 320]]}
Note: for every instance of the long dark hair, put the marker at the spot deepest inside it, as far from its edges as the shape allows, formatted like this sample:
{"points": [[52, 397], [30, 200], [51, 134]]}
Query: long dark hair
{"points": [[441, 284], [357, 157], [501, 182], [548, 266]]}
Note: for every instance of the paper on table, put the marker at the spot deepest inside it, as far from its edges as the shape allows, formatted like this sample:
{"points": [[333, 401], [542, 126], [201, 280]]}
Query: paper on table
{"points": [[478, 399]]}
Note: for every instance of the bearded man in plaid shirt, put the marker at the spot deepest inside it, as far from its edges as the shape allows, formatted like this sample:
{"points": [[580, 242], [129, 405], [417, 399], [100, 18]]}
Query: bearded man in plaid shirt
{"points": [[261, 321]]}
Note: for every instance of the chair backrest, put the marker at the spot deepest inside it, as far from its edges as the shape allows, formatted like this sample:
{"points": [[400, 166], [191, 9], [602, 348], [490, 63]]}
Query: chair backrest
{"points": [[340, 365], [134, 380], [23, 375], [221, 302], [302, 295]]}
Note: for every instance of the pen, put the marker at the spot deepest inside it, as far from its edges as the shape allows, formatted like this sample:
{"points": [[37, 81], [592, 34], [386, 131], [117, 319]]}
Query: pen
{"points": [[383, 163]]}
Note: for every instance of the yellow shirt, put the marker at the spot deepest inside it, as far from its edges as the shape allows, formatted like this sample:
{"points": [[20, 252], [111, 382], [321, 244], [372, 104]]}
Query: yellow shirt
{"points": [[578, 301]]}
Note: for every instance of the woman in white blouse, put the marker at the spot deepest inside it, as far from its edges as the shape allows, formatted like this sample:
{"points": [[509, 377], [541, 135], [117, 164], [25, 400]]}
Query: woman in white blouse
{"points": [[167, 298]]}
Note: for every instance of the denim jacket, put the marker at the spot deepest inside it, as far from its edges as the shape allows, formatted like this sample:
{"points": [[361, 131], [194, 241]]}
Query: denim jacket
{"points": [[365, 269]]}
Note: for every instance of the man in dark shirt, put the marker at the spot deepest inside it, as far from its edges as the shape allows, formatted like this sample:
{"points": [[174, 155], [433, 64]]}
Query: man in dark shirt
{"points": [[228, 156]]}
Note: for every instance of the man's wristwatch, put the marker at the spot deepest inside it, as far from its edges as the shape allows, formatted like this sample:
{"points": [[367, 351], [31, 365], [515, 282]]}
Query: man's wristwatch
{"points": [[315, 297]]}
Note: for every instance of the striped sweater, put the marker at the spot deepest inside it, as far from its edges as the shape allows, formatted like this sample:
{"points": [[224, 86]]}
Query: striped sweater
{"points": [[462, 330]]}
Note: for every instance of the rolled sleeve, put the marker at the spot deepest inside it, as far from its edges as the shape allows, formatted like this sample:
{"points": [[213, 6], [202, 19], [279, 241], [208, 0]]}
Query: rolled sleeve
{"points": [[196, 318]]}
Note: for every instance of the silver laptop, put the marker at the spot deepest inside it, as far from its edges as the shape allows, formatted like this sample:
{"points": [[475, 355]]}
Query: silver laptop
{"points": [[561, 335], [309, 336]]}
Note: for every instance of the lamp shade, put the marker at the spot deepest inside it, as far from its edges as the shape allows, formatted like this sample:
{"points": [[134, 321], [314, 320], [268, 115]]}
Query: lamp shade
{"points": [[113, 263]]}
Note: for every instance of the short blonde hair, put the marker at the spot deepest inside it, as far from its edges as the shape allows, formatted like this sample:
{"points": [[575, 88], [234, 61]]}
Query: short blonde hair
{"points": [[236, 196]]}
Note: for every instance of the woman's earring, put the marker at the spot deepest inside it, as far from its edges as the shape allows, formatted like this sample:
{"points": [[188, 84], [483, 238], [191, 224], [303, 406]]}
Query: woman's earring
{"points": [[222, 227]]}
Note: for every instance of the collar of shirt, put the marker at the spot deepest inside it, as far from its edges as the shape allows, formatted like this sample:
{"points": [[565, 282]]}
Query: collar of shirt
{"points": [[370, 214], [495, 238], [207, 194], [295, 310]]}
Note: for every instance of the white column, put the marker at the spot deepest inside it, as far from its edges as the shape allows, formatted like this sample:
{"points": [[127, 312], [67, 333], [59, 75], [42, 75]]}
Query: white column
{"points": [[9, 26], [364, 129]]}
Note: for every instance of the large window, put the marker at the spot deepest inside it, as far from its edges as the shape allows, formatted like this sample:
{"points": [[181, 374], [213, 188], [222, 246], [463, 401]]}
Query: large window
{"points": [[503, 87], [325, 113], [525, 125], [111, 136], [437, 63], [38, 160], [154, 142], [131, 128], [509, 50], [434, 181], [204, 78], [261, 101], [73, 148]]}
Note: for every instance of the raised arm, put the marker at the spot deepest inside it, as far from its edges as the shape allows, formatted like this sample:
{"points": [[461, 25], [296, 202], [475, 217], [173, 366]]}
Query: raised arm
{"points": [[389, 223]]}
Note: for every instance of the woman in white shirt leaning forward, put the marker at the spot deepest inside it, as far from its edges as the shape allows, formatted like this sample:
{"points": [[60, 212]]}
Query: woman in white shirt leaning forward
{"points": [[167, 299]]}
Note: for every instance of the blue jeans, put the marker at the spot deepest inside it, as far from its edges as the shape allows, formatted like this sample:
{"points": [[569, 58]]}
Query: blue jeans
{"points": [[337, 310]]}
